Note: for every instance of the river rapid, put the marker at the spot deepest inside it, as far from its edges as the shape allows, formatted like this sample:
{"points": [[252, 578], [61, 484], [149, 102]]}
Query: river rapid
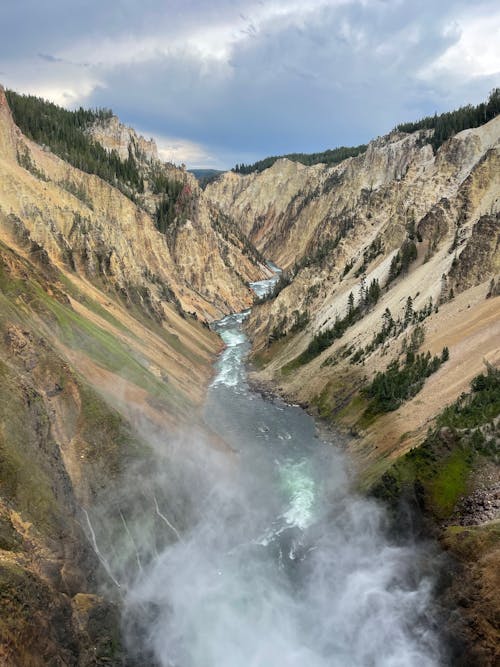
{"points": [[280, 563]]}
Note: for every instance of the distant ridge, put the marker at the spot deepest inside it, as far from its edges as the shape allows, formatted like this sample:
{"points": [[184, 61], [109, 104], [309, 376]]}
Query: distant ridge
{"points": [[444, 126], [205, 176], [331, 156]]}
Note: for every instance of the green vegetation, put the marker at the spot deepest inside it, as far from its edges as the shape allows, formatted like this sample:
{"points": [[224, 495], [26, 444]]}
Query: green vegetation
{"points": [[297, 322], [65, 133], [104, 348], [25, 447], [323, 339], [392, 328], [283, 281], [437, 474], [444, 125], [369, 254], [205, 176], [329, 157], [342, 224], [26, 161], [232, 233], [81, 334], [170, 205], [448, 124], [77, 191], [24, 599], [104, 437], [471, 543], [161, 183], [479, 407], [398, 383], [401, 261]]}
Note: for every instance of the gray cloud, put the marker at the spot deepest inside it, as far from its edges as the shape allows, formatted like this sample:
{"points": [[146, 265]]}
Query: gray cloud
{"points": [[246, 79]]}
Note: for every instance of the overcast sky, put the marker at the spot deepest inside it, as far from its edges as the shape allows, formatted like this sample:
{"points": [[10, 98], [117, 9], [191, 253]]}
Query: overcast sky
{"points": [[223, 81]]}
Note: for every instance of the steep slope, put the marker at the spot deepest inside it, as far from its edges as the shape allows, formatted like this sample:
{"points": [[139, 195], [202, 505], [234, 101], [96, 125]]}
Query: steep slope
{"points": [[450, 202], [337, 230], [389, 309], [102, 353], [292, 212], [125, 248], [209, 250]]}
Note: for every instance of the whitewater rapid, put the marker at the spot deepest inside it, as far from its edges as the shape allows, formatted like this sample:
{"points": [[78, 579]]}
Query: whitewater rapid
{"points": [[279, 563]]}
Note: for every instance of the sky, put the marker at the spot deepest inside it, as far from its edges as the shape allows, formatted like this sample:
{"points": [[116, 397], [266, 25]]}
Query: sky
{"points": [[220, 82]]}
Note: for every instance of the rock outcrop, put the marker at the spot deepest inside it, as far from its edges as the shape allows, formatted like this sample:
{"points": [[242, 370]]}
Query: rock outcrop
{"points": [[115, 136], [105, 349]]}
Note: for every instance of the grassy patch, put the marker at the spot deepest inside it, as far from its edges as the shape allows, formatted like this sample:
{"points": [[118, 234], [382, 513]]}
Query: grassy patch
{"points": [[265, 356], [450, 482], [91, 304], [438, 473], [102, 432], [323, 403], [354, 409], [79, 333], [293, 365], [368, 418], [24, 446]]}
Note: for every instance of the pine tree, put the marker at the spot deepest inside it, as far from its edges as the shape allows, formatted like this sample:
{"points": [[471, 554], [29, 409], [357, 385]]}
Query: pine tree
{"points": [[350, 305], [408, 315]]}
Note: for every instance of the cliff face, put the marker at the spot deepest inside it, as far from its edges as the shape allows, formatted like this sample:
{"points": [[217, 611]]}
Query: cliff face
{"points": [[393, 262], [102, 347], [115, 136], [208, 250], [291, 211], [338, 229], [83, 222]]}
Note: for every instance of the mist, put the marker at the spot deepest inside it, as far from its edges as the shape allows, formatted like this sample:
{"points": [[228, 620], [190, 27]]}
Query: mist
{"points": [[262, 555]]}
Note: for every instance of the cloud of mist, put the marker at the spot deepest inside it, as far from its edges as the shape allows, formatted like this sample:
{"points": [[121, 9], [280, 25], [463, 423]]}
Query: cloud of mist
{"points": [[262, 574], [261, 554]]}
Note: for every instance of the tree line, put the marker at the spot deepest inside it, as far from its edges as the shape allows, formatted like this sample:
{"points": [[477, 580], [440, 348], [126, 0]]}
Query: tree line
{"points": [[447, 124], [66, 134], [400, 382], [368, 297], [330, 157]]}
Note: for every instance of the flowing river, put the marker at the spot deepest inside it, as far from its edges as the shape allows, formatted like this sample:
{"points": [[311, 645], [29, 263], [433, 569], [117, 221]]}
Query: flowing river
{"points": [[281, 564]]}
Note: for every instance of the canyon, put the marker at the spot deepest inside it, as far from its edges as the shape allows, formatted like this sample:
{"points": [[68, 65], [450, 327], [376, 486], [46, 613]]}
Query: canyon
{"points": [[108, 343]]}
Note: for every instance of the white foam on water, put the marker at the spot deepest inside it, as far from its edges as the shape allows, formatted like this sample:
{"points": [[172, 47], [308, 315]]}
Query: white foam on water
{"points": [[300, 489]]}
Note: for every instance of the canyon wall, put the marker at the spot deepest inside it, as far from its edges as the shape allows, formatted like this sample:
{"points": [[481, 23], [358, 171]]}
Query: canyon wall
{"points": [[104, 348]]}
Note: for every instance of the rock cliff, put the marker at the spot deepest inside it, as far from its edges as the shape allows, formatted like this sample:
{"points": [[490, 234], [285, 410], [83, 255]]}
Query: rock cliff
{"points": [[104, 346], [337, 229], [115, 136], [105, 352], [392, 263]]}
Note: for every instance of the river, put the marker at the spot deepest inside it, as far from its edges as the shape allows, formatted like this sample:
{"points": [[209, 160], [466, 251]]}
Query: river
{"points": [[281, 564]]}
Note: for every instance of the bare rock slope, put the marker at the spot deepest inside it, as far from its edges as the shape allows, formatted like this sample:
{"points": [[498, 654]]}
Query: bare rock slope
{"points": [[104, 347], [392, 263], [338, 229]]}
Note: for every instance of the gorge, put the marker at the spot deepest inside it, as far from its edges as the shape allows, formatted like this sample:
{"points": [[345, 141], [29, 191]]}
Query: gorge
{"points": [[164, 499], [282, 562]]}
